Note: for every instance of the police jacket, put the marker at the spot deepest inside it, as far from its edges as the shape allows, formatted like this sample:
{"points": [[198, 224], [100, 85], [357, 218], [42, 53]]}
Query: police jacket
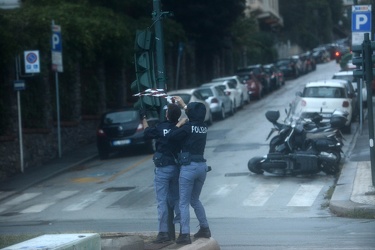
{"points": [[160, 132], [192, 134]]}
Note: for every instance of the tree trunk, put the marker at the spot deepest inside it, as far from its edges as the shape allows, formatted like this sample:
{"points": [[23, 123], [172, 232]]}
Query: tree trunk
{"points": [[102, 89], [77, 97]]}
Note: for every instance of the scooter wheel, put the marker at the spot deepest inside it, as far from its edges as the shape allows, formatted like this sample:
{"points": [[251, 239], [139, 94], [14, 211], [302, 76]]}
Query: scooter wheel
{"points": [[254, 165]]}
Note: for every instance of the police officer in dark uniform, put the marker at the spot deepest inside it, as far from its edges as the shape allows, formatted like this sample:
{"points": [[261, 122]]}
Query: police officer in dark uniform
{"points": [[192, 134], [166, 169]]}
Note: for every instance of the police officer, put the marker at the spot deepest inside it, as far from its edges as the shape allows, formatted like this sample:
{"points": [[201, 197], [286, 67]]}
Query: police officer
{"points": [[166, 169], [192, 134]]}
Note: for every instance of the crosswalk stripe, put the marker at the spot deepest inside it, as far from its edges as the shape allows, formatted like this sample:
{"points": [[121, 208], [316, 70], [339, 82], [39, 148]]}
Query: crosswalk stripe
{"points": [[227, 188], [305, 195], [37, 208], [21, 198], [85, 203], [260, 195], [65, 194]]}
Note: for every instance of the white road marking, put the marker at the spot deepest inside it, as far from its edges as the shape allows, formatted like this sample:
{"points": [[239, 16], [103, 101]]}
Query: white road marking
{"points": [[65, 194], [37, 208], [305, 195], [21, 198], [85, 203], [226, 189], [260, 195]]}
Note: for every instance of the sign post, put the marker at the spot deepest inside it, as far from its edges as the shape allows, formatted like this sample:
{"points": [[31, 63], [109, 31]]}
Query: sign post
{"points": [[57, 66]]}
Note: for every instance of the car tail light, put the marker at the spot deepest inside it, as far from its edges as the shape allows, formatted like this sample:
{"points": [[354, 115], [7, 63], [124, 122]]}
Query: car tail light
{"points": [[345, 104], [251, 85], [140, 127], [303, 103], [100, 132], [214, 100]]}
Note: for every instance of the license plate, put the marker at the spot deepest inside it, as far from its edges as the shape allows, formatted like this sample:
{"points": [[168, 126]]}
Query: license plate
{"points": [[121, 142]]}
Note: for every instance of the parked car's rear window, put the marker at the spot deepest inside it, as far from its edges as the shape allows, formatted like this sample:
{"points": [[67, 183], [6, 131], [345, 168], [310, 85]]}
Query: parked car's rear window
{"points": [[206, 93], [324, 92], [120, 117]]}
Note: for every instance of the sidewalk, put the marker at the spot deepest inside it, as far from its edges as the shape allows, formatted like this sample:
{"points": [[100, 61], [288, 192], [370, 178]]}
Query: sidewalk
{"points": [[354, 194]]}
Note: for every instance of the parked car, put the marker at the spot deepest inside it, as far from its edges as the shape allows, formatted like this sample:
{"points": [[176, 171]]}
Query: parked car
{"points": [[220, 103], [230, 89], [239, 85], [259, 73], [308, 61], [192, 95], [299, 66], [121, 129], [321, 55], [325, 97], [348, 75], [288, 67], [275, 75], [254, 87], [352, 94]]}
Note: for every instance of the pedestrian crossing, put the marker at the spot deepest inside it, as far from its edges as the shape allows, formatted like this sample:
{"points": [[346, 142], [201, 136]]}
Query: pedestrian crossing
{"points": [[258, 195]]}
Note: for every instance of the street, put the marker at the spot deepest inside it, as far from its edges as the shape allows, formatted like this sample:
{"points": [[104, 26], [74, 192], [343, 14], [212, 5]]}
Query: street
{"points": [[245, 211]]}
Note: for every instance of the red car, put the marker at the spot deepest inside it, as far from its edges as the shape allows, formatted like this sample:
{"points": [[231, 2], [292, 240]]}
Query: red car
{"points": [[254, 87]]}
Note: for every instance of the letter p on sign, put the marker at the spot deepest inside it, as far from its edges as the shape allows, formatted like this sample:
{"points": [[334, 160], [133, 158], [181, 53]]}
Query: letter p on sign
{"points": [[360, 20]]}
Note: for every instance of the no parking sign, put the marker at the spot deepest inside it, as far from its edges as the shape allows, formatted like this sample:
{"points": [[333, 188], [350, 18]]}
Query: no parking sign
{"points": [[32, 61]]}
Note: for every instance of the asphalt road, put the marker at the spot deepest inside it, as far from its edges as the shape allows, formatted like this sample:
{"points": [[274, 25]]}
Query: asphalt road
{"points": [[245, 211]]}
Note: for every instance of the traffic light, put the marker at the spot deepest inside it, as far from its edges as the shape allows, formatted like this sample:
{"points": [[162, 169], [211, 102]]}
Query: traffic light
{"points": [[358, 60], [144, 68]]}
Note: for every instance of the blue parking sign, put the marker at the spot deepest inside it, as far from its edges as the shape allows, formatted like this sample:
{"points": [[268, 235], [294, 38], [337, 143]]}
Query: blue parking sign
{"points": [[361, 18]]}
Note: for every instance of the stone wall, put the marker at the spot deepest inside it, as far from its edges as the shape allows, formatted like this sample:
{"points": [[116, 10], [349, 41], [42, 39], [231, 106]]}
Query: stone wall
{"points": [[40, 145]]}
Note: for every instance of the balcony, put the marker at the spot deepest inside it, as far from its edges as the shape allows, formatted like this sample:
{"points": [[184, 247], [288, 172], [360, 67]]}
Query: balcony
{"points": [[266, 11]]}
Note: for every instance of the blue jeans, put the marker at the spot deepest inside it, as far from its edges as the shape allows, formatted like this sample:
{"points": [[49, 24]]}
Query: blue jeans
{"points": [[166, 188], [191, 180]]}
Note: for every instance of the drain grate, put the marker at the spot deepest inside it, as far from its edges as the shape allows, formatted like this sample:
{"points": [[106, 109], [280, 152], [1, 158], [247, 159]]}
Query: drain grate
{"points": [[118, 189], [237, 174], [10, 214]]}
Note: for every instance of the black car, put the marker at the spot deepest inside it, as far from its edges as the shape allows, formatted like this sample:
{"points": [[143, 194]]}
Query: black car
{"points": [[120, 129], [289, 67]]}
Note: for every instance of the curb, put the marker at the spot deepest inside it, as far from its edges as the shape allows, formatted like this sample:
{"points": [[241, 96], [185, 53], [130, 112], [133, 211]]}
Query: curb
{"points": [[340, 203]]}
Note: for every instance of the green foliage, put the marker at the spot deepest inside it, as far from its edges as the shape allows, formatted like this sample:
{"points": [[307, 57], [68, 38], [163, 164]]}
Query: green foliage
{"points": [[310, 23]]}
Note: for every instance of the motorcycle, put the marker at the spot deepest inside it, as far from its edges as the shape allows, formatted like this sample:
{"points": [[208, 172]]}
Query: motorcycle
{"points": [[302, 146]]}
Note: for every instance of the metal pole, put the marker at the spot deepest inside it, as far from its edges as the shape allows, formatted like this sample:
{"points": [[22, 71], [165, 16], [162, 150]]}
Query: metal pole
{"points": [[57, 108], [19, 117], [161, 83], [367, 53], [58, 113]]}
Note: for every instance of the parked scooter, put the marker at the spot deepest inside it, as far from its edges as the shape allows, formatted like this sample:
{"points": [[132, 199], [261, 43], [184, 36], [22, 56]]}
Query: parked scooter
{"points": [[301, 146]]}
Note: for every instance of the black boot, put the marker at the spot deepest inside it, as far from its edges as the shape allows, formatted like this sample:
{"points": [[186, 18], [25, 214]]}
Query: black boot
{"points": [[204, 232], [162, 237], [183, 239]]}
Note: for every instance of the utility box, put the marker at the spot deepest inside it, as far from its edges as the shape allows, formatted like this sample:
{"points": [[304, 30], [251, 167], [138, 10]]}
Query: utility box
{"points": [[90, 241]]}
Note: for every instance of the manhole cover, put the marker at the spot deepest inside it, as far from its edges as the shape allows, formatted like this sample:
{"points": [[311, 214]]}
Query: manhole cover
{"points": [[118, 189]]}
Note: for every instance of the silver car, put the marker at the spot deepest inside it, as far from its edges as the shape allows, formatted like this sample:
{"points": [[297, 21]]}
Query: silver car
{"points": [[229, 87], [220, 103], [242, 88]]}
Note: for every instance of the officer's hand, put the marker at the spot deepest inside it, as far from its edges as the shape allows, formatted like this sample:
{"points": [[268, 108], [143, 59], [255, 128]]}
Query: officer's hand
{"points": [[181, 122], [142, 113]]}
